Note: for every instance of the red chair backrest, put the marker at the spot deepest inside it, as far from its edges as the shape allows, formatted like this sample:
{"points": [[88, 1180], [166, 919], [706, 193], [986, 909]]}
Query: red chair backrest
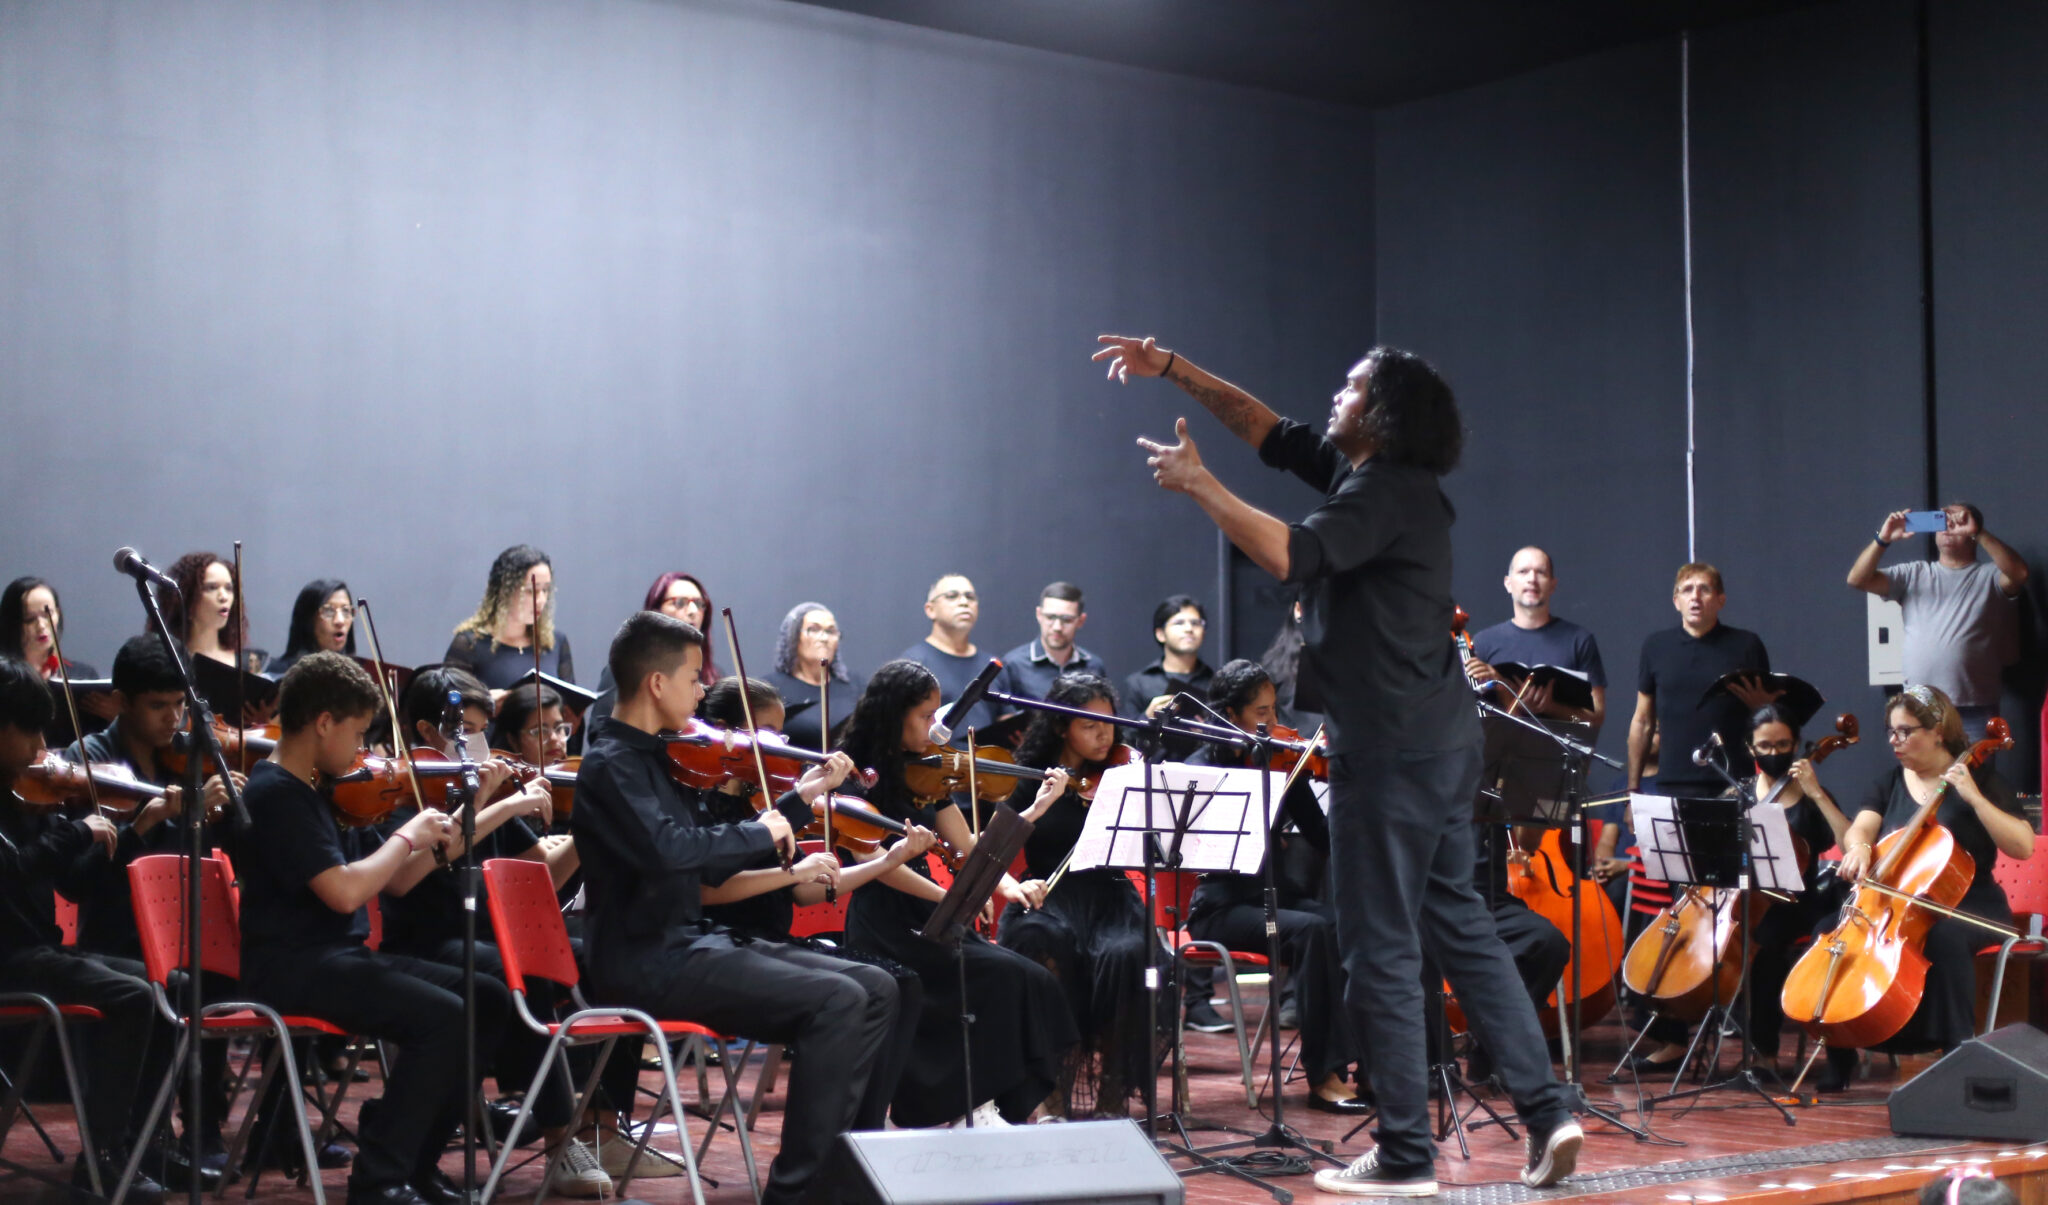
{"points": [[527, 919], [1170, 904], [157, 884], [67, 919], [2025, 883], [375, 911], [234, 884], [810, 920], [941, 873]]}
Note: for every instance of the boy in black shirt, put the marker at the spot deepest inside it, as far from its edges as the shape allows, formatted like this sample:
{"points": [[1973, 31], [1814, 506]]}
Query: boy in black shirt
{"points": [[646, 939], [303, 953], [38, 851]]}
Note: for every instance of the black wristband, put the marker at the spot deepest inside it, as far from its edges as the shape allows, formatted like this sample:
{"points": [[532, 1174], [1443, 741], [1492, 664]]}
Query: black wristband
{"points": [[795, 810], [1170, 358], [1881, 541]]}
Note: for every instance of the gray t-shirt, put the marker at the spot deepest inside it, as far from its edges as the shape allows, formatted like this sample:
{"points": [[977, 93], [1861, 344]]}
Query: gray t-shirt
{"points": [[1960, 628]]}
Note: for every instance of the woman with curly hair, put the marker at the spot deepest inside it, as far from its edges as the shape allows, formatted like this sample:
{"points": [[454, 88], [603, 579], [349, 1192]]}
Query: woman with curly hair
{"points": [[1022, 1029], [496, 644]]}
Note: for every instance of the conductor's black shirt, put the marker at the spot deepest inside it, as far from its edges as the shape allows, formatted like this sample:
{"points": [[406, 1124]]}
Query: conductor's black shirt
{"points": [[1375, 562]]}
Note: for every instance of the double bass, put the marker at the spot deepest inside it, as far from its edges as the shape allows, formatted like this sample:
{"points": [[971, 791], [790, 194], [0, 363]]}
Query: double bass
{"points": [[1860, 983], [1686, 959]]}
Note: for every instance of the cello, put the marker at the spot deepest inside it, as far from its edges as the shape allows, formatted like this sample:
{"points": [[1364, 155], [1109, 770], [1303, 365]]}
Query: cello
{"points": [[1861, 982], [1537, 878], [1682, 960]]}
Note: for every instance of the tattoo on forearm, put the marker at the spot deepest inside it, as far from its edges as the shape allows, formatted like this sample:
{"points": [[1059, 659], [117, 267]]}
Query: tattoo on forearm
{"points": [[1232, 408]]}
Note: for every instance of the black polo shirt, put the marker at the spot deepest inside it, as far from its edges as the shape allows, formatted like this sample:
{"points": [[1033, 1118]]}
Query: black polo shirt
{"points": [[1677, 668], [1028, 670]]}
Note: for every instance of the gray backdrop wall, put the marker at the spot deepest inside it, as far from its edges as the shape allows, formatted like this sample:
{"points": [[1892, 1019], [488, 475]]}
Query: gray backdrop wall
{"points": [[1530, 237], [798, 301]]}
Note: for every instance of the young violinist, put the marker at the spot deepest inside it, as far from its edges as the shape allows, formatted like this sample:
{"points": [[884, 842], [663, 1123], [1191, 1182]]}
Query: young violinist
{"points": [[31, 623], [426, 920], [760, 903], [1091, 929], [323, 617], [1023, 1029], [1981, 811], [38, 853], [303, 928], [1230, 908], [496, 643], [807, 668], [531, 725], [646, 938]]}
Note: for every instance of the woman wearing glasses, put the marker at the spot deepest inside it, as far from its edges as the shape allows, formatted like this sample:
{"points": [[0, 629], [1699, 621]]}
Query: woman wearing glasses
{"points": [[1983, 814], [807, 666], [323, 620]]}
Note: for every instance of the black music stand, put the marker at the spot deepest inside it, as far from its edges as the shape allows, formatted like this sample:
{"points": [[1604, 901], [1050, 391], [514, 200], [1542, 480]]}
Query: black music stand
{"points": [[1518, 781], [1717, 843], [950, 921]]}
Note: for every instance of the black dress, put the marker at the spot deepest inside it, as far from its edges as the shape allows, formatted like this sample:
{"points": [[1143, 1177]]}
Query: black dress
{"points": [[1022, 1031], [499, 666], [1947, 1015], [1092, 933]]}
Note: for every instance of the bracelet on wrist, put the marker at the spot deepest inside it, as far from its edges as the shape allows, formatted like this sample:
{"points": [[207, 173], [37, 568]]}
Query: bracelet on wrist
{"points": [[1881, 541], [410, 848], [1171, 356]]}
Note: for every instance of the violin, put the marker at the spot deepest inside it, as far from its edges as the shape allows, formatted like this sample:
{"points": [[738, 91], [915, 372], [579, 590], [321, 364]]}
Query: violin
{"points": [[1687, 957], [1088, 776], [704, 755], [1861, 982], [375, 786], [256, 742], [938, 772], [560, 778], [54, 784], [1292, 749]]}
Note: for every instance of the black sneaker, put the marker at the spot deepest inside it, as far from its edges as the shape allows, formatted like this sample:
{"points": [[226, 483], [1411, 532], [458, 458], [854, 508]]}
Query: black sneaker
{"points": [[1553, 1155], [1202, 1017], [1366, 1178], [142, 1190]]}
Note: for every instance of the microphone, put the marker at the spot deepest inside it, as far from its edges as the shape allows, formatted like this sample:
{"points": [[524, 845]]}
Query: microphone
{"points": [[1704, 753], [941, 732], [130, 562]]}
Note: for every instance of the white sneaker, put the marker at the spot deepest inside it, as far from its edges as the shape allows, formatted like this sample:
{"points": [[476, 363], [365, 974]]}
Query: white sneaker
{"points": [[613, 1154], [578, 1174], [1366, 1178]]}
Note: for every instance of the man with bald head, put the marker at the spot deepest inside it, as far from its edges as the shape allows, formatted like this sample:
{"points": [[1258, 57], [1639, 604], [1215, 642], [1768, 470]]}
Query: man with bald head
{"points": [[1536, 637]]}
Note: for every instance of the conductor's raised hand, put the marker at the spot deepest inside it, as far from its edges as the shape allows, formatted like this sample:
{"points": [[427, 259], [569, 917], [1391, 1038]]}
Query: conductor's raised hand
{"points": [[1176, 466], [1127, 355]]}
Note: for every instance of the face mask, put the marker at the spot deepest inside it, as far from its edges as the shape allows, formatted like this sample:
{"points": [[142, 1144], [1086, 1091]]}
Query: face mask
{"points": [[1777, 765], [478, 748]]}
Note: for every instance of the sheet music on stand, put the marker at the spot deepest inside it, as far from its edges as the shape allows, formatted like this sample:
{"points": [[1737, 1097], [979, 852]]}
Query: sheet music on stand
{"points": [[1698, 841], [1221, 832], [1525, 776]]}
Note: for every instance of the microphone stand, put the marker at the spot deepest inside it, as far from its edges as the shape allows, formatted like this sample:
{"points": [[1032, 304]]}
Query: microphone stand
{"points": [[1574, 1055], [205, 751], [465, 794]]}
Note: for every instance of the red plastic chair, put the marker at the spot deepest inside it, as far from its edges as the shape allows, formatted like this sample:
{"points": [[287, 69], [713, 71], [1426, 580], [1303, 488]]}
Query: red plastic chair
{"points": [[1169, 916], [533, 941], [47, 1016], [67, 919], [2026, 889], [157, 884]]}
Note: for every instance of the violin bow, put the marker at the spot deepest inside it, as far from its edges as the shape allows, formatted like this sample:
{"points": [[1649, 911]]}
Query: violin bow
{"points": [[400, 747], [92, 792], [973, 789], [1301, 763], [732, 640], [235, 617], [825, 747]]}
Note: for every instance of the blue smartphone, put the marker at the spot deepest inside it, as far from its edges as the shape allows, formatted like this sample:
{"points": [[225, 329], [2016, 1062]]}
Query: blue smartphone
{"points": [[1920, 522]]}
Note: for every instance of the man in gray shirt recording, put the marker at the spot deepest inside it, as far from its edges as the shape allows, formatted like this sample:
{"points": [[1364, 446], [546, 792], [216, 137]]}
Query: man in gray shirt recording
{"points": [[1961, 624]]}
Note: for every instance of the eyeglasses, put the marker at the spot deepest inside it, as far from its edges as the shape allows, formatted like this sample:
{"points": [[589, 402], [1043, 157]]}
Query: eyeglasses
{"points": [[954, 596], [337, 612], [564, 731], [1065, 621], [1901, 735], [1767, 749]]}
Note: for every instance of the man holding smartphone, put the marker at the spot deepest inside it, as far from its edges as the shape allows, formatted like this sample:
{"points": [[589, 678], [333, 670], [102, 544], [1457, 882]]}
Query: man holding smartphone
{"points": [[1961, 624]]}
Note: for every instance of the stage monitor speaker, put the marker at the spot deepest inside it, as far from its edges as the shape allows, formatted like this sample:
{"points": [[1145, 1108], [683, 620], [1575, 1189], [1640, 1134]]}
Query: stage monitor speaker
{"points": [[1993, 1088], [1083, 1163]]}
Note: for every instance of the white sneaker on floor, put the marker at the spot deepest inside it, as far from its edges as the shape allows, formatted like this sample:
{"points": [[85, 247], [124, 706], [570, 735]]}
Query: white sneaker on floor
{"points": [[614, 1153], [578, 1174], [1366, 1178]]}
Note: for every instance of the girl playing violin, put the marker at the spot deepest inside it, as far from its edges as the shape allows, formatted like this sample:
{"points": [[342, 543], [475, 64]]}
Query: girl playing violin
{"points": [[1092, 931], [760, 903], [1023, 1029], [1982, 813]]}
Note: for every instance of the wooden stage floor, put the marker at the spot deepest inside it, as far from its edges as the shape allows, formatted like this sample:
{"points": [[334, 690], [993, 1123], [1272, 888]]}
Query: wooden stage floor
{"points": [[1726, 1148]]}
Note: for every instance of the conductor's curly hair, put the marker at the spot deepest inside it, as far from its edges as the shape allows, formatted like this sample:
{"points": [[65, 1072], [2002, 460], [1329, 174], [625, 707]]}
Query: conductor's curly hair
{"points": [[1410, 413]]}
